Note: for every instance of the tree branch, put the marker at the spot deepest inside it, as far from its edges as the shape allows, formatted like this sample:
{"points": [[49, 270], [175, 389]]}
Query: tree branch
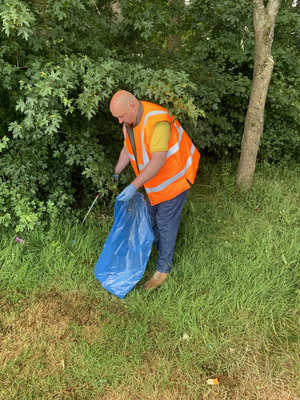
{"points": [[259, 11], [45, 20], [272, 10], [96, 7]]}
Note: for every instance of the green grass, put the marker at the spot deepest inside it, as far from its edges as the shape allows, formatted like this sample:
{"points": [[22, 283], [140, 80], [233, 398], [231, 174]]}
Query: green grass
{"points": [[229, 309]]}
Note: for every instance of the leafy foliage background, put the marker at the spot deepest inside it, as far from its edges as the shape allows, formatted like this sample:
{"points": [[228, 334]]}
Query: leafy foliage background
{"points": [[61, 61]]}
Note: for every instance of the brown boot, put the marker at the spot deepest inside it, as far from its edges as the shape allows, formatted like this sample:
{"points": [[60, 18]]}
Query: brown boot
{"points": [[157, 279]]}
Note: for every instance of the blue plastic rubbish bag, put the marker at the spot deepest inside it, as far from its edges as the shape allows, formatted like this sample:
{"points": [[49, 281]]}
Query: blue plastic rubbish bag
{"points": [[126, 251]]}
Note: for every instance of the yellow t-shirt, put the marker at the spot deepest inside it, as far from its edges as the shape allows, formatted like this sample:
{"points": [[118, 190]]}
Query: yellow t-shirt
{"points": [[160, 137]]}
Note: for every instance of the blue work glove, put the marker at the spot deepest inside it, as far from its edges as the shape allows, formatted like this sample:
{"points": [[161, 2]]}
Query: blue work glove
{"points": [[127, 193], [116, 177]]}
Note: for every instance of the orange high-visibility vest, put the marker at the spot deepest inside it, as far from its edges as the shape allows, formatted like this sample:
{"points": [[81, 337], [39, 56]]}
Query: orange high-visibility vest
{"points": [[182, 157]]}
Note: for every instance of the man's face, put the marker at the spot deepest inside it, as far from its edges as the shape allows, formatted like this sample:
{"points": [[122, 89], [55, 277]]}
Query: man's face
{"points": [[126, 116]]}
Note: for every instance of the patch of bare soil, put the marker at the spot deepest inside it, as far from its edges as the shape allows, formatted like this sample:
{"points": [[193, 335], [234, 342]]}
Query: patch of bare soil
{"points": [[248, 386], [38, 340], [247, 391], [42, 332]]}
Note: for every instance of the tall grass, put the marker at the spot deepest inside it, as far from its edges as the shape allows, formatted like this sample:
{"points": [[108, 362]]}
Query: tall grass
{"points": [[229, 309]]}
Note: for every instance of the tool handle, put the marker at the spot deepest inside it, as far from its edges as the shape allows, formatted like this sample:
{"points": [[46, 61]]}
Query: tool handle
{"points": [[90, 208]]}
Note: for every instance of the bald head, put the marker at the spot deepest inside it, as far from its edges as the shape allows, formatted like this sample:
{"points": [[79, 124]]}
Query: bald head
{"points": [[124, 106]]}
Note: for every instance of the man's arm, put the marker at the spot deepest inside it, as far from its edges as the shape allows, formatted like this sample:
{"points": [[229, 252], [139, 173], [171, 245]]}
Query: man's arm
{"points": [[158, 160], [123, 161], [159, 149]]}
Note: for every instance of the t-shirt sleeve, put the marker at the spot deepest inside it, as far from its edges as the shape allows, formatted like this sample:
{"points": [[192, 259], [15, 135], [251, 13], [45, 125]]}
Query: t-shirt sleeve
{"points": [[160, 137]]}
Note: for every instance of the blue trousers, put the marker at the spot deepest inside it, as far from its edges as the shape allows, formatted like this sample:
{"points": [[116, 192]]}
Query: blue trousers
{"points": [[165, 218]]}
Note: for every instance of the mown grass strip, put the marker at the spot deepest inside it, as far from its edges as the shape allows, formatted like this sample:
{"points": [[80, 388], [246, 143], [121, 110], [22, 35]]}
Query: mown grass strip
{"points": [[229, 309]]}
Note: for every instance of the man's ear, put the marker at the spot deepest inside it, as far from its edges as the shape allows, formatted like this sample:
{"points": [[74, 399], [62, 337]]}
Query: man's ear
{"points": [[134, 107]]}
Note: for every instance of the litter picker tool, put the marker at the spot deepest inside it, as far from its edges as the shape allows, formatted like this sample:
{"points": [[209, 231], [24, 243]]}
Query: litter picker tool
{"points": [[90, 208]]}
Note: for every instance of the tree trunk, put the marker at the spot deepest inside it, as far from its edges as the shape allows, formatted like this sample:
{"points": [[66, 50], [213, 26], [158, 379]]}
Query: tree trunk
{"points": [[264, 19], [174, 40], [117, 9]]}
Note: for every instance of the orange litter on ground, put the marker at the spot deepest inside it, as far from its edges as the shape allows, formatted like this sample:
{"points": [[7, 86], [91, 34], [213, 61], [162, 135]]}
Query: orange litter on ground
{"points": [[213, 381]]}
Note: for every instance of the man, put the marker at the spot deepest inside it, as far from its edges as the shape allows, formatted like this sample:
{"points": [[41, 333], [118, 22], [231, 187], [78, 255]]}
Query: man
{"points": [[165, 162]]}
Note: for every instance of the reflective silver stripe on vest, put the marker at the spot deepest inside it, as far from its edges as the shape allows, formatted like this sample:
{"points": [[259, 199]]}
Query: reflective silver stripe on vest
{"points": [[131, 156], [145, 155], [168, 182], [176, 146]]}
